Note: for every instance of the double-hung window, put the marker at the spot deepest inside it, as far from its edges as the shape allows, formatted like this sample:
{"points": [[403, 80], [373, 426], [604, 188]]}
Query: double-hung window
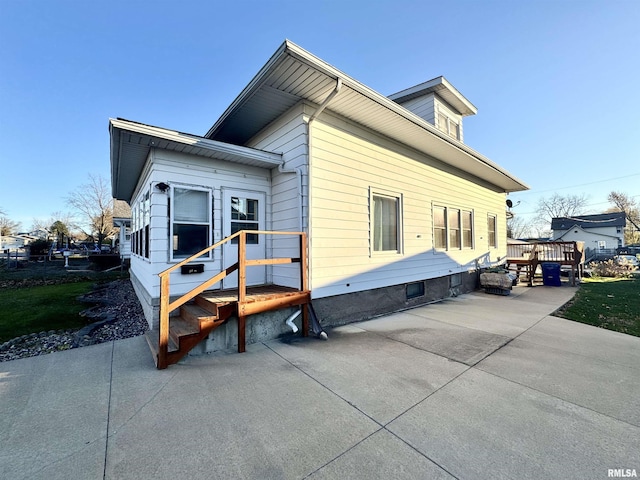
{"points": [[467, 229], [453, 215], [190, 221], [440, 228], [491, 231], [385, 223]]}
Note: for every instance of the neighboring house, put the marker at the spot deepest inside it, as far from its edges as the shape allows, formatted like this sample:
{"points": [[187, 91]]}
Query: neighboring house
{"points": [[398, 210], [122, 220], [601, 232], [15, 241]]}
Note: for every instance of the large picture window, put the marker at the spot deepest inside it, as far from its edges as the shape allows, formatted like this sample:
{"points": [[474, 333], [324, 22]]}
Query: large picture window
{"points": [[385, 223], [191, 221]]}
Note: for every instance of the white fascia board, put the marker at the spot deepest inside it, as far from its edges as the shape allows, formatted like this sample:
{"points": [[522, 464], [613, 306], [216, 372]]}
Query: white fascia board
{"points": [[187, 139]]}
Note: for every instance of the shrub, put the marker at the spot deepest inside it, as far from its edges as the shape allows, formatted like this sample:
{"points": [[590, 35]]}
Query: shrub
{"points": [[609, 268], [39, 247]]}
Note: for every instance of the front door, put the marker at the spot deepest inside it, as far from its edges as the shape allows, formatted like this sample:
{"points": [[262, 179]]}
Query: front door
{"points": [[244, 210]]}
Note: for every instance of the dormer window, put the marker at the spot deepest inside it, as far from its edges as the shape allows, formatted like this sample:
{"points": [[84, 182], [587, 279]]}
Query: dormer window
{"points": [[448, 126]]}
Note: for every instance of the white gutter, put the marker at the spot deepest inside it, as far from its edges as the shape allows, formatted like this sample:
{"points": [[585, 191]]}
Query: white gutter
{"points": [[315, 115]]}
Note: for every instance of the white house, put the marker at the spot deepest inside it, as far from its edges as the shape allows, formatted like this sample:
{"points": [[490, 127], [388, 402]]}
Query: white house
{"points": [[604, 231], [122, 220], [397, 209]]}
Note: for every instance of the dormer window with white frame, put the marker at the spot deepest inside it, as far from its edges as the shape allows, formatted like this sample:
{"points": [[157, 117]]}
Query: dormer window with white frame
{"points": [[448, 126]]}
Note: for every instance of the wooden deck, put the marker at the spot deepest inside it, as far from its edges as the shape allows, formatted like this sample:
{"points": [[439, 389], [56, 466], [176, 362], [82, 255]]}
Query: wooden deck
{"points": [[526, 257]]}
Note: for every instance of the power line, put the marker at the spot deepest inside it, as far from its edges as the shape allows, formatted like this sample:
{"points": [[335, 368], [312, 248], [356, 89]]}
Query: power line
{"points": [[580, 185]]}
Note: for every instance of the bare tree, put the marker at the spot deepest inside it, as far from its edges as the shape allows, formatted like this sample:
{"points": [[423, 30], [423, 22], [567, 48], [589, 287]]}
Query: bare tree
{"points": [[8, 226], [559, 206], [517, 227], [94, 205], [625, 203]]}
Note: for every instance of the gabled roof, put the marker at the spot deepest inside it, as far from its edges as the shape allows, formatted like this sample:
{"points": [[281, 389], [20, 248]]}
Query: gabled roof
{"points": [[443, 89], [597, 234], [132, 141], [292, 74], [615, 219]]}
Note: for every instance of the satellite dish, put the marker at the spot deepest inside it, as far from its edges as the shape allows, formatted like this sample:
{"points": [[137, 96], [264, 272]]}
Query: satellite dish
{"points": [[509, 203]]}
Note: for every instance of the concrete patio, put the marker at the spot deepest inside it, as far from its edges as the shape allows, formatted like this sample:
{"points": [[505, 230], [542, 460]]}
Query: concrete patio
{"points": [[474, 387]]}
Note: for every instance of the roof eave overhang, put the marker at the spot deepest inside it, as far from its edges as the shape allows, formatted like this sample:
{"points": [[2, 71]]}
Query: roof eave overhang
{"points": [[131, 143], [417, 133]]}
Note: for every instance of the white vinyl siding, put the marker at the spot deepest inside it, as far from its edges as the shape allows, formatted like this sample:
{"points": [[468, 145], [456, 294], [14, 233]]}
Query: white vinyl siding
{"points": [[189, 172], [423, 106], [348, 162], [287, 135]]}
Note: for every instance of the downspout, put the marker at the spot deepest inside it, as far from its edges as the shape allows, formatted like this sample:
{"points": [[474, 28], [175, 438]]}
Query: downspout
{"points": [[298, 172], [315, 115]]}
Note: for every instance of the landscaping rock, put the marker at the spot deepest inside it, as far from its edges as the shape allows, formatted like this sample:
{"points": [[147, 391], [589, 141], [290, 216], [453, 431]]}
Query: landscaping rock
{"points": [[118, 315]]}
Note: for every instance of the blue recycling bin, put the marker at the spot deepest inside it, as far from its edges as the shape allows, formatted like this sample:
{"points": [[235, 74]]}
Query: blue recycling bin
{"points": [[551, 274]]}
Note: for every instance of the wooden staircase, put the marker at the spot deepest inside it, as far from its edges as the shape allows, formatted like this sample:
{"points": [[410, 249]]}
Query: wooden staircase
{"points": [[196, 320], [200, 311]]}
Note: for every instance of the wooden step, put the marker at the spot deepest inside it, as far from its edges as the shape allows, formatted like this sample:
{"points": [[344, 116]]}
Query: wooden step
{"points": [[180, 327], [212, 304], [153, 340], [198, 315]]}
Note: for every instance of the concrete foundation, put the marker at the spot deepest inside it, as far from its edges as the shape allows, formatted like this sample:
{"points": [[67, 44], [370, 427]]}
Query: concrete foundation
{"points": [[337, 310], [331, 311], [358, 306]]}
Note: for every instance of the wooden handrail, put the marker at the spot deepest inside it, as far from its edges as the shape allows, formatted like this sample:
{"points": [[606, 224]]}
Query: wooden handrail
{"points": [[166, 306]]}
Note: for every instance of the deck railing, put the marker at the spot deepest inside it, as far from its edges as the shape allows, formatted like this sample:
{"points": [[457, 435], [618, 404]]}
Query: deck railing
{"points": [[167, 306]]}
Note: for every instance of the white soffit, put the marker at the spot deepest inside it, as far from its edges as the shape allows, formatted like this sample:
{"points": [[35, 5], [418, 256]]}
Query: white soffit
{"points": [[132, 141], [292, 74]]}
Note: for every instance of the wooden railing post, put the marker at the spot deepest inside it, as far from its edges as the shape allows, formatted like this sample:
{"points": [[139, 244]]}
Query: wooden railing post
{"points": [[242, 288], [304, 282], [163, 343]]}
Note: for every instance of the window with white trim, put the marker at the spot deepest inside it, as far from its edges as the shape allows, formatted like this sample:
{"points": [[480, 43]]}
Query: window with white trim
{"points": [[453, 221], [190, 221], [440, 228], [385, 222], [492, 230], [140, 221], [452, 228], [448, 126], [467, 228]]}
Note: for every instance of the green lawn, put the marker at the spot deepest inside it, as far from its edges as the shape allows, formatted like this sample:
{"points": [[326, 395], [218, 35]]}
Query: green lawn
{"points": [[611, 303], [41, 308]]}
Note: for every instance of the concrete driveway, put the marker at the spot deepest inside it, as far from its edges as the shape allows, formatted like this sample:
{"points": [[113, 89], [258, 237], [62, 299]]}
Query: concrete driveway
{"points": [[474, 387]]}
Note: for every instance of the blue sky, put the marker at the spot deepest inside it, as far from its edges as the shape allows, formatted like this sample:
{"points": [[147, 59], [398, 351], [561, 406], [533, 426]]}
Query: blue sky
{"points": [[555, 82]]}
